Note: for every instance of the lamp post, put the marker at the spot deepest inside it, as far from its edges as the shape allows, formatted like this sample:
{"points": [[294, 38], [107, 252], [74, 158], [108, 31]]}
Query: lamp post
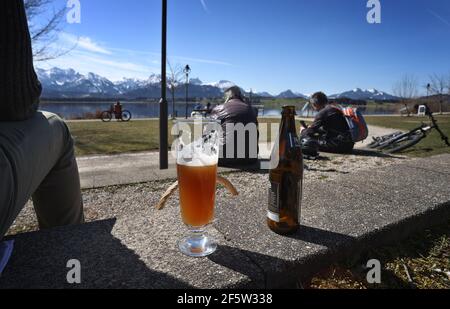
{"points": [[428, 90], [187, 71], [163, 107]]}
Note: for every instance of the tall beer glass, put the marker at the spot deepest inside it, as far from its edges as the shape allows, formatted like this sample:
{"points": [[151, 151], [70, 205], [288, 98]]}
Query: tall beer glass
{"points": [[197, 153]]}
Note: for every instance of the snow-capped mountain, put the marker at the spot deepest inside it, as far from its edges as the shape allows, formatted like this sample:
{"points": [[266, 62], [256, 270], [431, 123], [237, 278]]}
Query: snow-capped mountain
{"points": [[195, 81], [129, 84], [60, 83], [264, 94], [368, 94], [289, 94], [223, 84], [72, 83]]}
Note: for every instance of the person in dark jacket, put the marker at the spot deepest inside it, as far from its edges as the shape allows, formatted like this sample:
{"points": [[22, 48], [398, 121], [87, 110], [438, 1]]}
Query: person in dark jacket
{"points": [[36, 149], [239, 122], [330, 127]]}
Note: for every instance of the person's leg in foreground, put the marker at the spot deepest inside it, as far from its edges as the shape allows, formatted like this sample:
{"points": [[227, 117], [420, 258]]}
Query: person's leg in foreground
{"points": [[36, 150], [37, 160]]}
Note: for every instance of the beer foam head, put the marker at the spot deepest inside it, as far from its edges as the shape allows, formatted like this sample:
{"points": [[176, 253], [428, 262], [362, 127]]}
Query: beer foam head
{"points": [[197, 155]]}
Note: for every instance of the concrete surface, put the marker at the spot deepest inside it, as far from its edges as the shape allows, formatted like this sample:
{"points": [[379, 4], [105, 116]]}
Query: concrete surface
{"points": [[102, 171], [340, 219]]}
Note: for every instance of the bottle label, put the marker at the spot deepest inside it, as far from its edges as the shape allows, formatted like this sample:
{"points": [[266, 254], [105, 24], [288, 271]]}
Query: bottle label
{"points": [[294, 141], [300, 200], [274, 202]]}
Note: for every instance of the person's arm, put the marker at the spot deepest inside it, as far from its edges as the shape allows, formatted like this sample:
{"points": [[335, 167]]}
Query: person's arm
{"points": [[216, 112], [316, 125], [19, 86]]}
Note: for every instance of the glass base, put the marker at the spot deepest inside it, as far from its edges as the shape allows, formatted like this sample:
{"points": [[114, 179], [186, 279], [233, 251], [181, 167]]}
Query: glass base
{"points": [[197, 245]]}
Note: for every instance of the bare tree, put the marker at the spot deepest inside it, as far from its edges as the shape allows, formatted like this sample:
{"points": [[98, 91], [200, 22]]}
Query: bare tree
{"points": [[406, 88], [174, 80], [439, 84], [45, 34], [448, 83]]}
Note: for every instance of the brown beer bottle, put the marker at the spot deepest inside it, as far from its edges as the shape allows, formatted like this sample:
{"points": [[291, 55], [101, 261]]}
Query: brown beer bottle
{"points": [[286, 179]]}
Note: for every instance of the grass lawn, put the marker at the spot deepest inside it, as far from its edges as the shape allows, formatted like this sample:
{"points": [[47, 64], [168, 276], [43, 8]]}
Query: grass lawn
{"points": [[96, 137], [430, 146]]}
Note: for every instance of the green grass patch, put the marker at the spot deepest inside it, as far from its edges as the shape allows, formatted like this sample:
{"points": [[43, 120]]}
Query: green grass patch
{"points": [[96, 137], [430, 146]]}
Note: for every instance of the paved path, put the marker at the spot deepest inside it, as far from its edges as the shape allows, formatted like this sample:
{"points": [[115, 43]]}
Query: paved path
{"points": [[341, 219], [101, 171]]}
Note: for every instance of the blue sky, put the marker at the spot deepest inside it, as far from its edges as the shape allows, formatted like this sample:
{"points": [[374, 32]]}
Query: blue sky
{"points": [[266, 45]]}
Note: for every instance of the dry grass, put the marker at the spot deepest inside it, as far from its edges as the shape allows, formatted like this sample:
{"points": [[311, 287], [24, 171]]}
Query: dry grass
{"points": [[424, 258]]}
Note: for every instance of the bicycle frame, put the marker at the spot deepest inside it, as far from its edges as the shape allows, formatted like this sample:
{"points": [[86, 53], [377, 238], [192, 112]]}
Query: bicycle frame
{"points": [[435, 126], [404, 135], [423, 128]]}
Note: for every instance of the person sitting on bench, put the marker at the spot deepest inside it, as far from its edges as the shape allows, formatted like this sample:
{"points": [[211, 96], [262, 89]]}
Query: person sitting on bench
{"points": [[36, 149], [239, 122]]}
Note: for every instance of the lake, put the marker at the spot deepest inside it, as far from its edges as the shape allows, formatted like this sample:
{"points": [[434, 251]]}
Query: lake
{"points": [[87, 110]]}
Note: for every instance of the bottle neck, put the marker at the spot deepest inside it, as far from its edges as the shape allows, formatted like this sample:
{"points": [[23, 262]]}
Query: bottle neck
{"points": [[288, 122]]}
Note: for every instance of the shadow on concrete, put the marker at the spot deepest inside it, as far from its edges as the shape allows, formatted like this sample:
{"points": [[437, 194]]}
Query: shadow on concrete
{"points": [[221, 257], [327, 170], [40, 261], [279, 272], [372, 153], [321, 237], [246, 168]]}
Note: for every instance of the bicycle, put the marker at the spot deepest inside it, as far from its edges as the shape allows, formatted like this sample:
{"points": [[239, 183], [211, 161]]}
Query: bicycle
{"points": [[399, 141], [107, 116]]}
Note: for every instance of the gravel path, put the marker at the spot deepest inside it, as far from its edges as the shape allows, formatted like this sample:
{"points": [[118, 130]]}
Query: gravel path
{"points": [[116, 201]]}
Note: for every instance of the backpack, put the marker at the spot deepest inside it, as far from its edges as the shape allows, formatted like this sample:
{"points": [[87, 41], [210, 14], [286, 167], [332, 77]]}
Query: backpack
{"points": [[356, 123]]}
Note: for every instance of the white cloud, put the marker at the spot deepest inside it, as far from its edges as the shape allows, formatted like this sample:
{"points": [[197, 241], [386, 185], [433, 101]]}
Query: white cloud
{"points": [[113, 68], [83, 42], [88, 55], [180, 58]]}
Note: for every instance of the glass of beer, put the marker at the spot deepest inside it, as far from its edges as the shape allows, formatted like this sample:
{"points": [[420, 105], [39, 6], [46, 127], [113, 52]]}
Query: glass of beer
{"points": [[197, 154]]}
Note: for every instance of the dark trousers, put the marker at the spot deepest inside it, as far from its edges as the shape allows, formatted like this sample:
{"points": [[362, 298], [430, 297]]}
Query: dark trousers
{"points": [[37, 160], [335, 145]]}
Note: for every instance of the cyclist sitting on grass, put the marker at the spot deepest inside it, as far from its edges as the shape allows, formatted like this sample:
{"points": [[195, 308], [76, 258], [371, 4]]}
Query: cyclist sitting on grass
{"points": [[329, 128]]}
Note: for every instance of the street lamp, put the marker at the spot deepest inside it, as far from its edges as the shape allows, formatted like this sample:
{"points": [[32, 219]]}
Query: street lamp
{"points": [[163, 107], [187, 71]]}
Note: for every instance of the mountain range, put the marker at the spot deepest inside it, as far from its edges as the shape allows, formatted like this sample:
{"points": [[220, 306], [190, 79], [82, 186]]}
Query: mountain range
{"points": [[67, 83], [369, 94]]}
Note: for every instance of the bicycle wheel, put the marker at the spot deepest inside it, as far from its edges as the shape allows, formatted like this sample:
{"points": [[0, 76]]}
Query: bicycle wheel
{"points": [[106, 116], [404, 143], [126, 116]]}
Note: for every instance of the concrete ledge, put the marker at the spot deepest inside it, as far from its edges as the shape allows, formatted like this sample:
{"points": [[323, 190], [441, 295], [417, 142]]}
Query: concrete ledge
{"points": [[341, 219]]}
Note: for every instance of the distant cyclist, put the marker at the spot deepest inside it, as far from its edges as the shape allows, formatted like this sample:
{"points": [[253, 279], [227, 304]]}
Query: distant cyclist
{"points": [[118, 111]]}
